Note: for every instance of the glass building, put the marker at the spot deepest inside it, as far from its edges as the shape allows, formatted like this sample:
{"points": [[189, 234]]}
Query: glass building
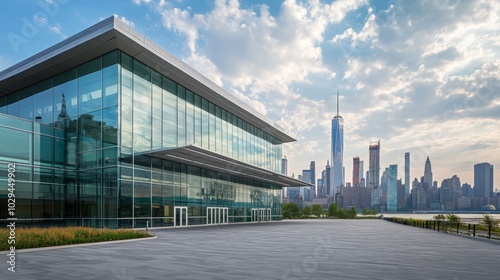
{"points": [[106, 129], [337, 151]]}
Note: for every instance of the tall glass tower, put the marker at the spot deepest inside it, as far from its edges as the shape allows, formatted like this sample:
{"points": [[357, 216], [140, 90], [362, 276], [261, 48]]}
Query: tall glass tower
{"points": [[407, 173], [337, 150]]}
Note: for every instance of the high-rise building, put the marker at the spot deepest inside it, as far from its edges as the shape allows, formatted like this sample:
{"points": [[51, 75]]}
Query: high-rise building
{"points": [[355, 171], [328, 179], [306, 175], [483, 180], [392, 188], [284, 166], [428, 174], [337, 150], [361, 172], [108, 126], [367, 178], [374, 177], [407, 173], [312, 168]]}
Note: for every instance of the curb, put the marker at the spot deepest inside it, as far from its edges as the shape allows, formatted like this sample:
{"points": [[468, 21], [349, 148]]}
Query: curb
{"points": [[28, 250]]}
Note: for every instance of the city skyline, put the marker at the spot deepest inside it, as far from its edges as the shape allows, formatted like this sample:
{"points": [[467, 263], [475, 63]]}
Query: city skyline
{"points": [[409, 74]]}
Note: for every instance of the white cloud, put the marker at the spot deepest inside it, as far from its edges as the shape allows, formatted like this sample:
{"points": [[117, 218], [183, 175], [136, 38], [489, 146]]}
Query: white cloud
{"points": [[57, 29], [125, 20], [40, 19], [399, 70], [139, 2]]}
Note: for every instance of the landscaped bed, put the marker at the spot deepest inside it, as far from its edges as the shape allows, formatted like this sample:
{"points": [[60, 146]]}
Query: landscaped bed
{"points": [[55, 236]]}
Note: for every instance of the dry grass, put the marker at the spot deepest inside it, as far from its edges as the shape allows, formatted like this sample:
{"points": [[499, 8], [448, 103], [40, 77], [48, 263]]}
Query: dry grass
{"points": [[54, 236]]}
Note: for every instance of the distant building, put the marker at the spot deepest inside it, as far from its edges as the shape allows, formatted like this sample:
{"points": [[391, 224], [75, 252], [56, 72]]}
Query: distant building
{"points": [[306, 175], [401, 195], [419, 198], [312, 169], [361, 172], [284, 166], [337, 150], [392, 188], [355, 171], [328, 179], [483, 180], [374, 176], [357, 197], [428, 174], [407, 173]]}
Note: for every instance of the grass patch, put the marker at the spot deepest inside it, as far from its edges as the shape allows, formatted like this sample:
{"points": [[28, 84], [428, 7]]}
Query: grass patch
{"points": [[55, 236]]}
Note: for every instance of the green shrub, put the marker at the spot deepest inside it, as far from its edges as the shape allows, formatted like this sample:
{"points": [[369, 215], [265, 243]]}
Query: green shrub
{"points": [[54, 236]]}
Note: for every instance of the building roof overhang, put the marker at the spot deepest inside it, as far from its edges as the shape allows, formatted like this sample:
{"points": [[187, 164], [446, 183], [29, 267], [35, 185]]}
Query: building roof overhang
{"points": [[200, 157], [111, 34]]}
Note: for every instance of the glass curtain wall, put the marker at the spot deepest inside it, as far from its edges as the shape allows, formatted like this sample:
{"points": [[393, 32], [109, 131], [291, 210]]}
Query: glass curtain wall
{"points": [[65, 150], [73, 138], [166, 114]]}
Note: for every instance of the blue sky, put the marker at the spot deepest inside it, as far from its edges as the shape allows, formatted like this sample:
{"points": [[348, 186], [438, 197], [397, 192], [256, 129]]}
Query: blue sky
{"points": [[421, 76]]}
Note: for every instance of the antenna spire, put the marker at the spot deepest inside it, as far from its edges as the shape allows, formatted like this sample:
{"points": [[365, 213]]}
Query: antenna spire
{"points": [[337, 103]]}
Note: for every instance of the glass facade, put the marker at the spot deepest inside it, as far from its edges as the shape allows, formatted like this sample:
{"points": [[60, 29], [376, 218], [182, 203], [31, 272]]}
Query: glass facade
{"points": [[77, 140]]}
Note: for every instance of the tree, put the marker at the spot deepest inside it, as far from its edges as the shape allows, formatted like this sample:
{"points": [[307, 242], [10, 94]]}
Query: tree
{"points": [[439, 217], [290, 210], [368, 211], [317, 210], [364, 212], [453, 218], [351, 213], [332, 210], [489, 221], [306, 212]]}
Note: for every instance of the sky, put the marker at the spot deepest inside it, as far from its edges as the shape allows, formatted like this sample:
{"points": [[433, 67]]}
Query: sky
{"points": [[420, 76]]}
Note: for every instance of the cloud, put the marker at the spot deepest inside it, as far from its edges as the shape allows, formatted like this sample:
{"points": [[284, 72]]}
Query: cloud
{"points": [[413, 73], [139, 2], [40, 19], [125, 20], [57, 29]]}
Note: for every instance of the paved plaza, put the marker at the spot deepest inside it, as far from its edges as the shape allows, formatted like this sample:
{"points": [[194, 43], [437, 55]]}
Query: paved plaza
{"points": [[303, 249]]}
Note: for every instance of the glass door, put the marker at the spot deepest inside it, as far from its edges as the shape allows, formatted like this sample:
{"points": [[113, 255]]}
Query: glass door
{"points": [[181, 216], [217, 215]]}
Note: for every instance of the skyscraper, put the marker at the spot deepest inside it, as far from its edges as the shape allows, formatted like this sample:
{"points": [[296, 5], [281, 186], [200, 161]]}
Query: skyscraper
{"points": [[337, 150], [312, 168], [374, 165], [374, 177], [355, 171], [392, 188], [306, 175], [328, 179], [407, 173], [483, 180], [428, 174], [284, 166], [361, 172]]}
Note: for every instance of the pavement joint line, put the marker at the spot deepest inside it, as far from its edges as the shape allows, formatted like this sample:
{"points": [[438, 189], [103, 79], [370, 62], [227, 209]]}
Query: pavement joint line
{"points": [[28, 250]]}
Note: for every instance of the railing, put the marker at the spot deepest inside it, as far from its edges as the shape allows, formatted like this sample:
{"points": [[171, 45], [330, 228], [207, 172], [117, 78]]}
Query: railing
{"points": [[470, 229]]}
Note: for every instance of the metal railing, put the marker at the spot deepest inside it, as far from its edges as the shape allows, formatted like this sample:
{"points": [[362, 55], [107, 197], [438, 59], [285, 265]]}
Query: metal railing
{"points": [[470, 229]]}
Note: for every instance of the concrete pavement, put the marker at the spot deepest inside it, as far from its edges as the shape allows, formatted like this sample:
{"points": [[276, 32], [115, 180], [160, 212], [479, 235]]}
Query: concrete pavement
{"points": [[302, 249]]}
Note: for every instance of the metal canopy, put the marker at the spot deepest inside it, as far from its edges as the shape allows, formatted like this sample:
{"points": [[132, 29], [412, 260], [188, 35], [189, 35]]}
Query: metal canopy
{"points": [[196, 156]]}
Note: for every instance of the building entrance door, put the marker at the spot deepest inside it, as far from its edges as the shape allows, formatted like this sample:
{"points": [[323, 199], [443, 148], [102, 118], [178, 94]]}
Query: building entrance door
{"points": [[180, 216], [217, 215], [261, 214]]}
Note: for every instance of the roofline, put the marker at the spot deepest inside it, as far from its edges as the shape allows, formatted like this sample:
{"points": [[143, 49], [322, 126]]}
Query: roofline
{"points": [[110, 34]]}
